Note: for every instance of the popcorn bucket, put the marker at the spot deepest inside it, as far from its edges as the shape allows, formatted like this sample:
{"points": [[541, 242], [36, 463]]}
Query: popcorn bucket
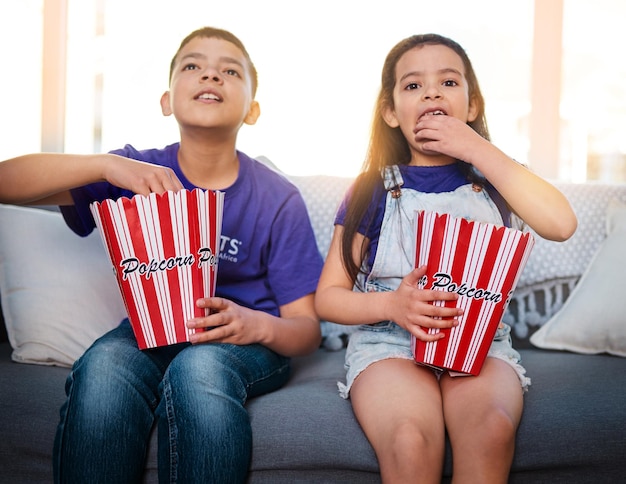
{"points": [[482, 263], [164, 250]]}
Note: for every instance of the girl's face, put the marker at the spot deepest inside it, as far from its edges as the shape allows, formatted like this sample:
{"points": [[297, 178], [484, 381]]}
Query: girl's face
{"points": [[430, 80], [210, 86]]}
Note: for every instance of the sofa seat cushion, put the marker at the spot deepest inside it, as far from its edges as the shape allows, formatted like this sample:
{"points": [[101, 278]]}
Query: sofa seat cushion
{"points": [[307, 425], [573, 422], [574, 417]]}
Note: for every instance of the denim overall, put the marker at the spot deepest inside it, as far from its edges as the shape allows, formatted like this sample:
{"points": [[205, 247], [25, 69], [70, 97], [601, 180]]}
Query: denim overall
{"points": [[394, 259]]}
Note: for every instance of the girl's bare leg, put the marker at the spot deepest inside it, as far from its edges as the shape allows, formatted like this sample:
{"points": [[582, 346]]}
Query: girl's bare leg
{"points": [[482, 414], [398, 405]]}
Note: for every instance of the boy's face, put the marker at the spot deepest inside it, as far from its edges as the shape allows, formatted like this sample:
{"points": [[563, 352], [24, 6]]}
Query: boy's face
{"points": [[210, 87]]}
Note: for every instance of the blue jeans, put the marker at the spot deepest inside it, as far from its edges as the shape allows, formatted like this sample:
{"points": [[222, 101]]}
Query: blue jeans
{"points": [[115, 392]]}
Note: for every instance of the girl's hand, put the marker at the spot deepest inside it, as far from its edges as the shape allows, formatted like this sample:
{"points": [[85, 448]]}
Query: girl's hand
{"points": [[447, 135], [414, 308], [140, 177], [547, 211], [227, 323]]}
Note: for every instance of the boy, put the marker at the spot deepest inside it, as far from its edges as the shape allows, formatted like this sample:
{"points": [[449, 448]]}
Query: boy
{"points": [[263, 310]]}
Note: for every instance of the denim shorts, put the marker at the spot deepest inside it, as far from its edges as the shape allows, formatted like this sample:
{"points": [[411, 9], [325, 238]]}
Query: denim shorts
{"points": [[374, 342]]}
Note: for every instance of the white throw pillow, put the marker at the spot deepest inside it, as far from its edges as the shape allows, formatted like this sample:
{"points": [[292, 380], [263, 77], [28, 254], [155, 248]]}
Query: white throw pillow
{"points": [[58, 290], [593, 319]]}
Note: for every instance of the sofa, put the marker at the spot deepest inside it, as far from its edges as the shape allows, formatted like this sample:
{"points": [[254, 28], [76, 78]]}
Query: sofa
{"points": [[568, 315]]}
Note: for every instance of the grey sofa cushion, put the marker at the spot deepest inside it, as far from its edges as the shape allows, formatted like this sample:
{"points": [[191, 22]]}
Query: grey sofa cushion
{"points": [[572, 429], [307, 425], [29, 409], [574, 422]]}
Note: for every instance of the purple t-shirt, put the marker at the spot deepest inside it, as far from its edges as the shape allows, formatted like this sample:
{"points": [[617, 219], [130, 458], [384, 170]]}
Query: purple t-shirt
{"points": [[268, 255]]}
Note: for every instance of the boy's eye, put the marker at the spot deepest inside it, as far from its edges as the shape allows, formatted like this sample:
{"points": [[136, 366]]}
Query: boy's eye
{"points": [[190, 67], [232, 72]]}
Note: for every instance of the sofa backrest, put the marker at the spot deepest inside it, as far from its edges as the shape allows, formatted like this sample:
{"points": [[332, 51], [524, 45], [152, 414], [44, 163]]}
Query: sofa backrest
{"points": [[550, 273], [549, 260]]}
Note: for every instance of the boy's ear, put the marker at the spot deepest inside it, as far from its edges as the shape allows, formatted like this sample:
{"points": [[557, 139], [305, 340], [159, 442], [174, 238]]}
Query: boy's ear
{"points": [[166, 109], [253, 113], [389, 116]]}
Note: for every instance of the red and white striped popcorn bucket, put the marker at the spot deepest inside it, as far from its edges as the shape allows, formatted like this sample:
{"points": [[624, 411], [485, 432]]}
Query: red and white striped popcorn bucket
{"points": [[164, 250], [482, 263]]}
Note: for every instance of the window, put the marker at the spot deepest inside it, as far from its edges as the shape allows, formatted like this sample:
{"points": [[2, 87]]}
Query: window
{"points": [[21, 39], [593, 96], [319, 66]]}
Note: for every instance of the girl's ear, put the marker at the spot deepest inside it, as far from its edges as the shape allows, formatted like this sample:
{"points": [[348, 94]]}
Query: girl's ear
{"points": [[389, 116], [166, 109], [253, 113], [472, 112]]}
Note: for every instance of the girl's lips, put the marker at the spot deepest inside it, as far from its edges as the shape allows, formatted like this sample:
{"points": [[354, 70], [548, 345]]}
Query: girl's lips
{"points": [[434, 112]]}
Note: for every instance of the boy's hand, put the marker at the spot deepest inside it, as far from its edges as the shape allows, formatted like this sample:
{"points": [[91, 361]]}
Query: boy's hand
{"points": [[414, 308], [140, 177], [227, 323]]}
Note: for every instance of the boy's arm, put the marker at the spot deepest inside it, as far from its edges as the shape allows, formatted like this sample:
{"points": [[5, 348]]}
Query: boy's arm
{"points": [[46, 178], [297, 331]]}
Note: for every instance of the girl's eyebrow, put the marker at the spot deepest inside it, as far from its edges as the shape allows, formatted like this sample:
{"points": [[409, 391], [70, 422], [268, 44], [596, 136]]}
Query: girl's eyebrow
{"points": [[445, 70]]}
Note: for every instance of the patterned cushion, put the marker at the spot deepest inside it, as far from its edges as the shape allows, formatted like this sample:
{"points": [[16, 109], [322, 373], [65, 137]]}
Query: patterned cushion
{"points": [[322, 195], [554, 268], [555, 260], [598, 297]]}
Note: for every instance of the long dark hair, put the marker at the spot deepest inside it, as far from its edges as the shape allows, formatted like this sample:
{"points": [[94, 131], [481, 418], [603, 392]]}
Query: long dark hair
{"points": [[388, 145]]}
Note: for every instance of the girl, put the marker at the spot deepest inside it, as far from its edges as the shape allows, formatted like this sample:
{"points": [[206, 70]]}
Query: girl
{"points": [[429, 149]]}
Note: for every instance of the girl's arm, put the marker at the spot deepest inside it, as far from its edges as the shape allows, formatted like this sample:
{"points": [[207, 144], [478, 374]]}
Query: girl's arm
{"points": [[46, 178], [407, 306], [534, 200]]}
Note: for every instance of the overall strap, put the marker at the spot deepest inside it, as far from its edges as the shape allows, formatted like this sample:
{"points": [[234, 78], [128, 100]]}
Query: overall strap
{"points": [[393, 180], [500, 202]]}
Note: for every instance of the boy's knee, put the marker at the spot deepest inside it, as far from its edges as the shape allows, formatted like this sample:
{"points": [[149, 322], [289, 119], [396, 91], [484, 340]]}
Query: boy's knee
{"points": [[200, 360], [206, 371]]}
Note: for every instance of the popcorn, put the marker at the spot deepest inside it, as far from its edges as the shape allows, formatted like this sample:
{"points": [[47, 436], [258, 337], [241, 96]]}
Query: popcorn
{"points": [[482, 263], [164, 251]]}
